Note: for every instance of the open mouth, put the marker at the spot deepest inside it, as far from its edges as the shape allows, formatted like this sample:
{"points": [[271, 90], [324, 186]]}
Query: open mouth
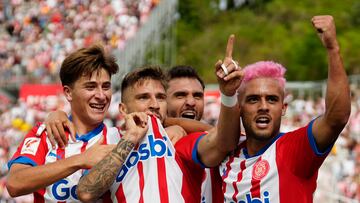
{"points": [[262, 121], [98, 107], [188, 114]]}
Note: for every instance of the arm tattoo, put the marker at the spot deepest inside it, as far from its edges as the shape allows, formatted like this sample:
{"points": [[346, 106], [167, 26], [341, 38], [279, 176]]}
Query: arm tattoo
{"points": [[103, 174]]}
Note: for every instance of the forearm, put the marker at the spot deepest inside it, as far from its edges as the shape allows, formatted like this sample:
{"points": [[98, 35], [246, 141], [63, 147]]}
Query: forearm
{"points": [[214, 147], [189, 125], [24, 179], [103, 174], [228, 128], [337, 101], [327, 128]]}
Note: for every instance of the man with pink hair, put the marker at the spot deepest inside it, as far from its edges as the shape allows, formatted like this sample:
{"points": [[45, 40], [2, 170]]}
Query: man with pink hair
{"points": [[270, 166]]}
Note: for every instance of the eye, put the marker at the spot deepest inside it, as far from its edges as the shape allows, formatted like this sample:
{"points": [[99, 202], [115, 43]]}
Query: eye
{"points": [[180, 95], [143, 97], [106, 86], [199, 95], [161, 96], [252, 99], [273, 99], [90, 87]]}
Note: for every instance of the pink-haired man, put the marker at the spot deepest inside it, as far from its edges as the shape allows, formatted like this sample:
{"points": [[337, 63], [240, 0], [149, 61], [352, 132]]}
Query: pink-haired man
{"points": [[271, 166]]}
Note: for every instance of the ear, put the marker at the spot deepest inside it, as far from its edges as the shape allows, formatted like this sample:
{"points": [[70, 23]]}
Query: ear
{"points": [[284, 108], [122, 109], [67, 93]]}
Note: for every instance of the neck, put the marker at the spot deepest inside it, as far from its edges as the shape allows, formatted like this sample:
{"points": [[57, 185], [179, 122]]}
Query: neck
{"points": [[254, 145], [81, 127]]}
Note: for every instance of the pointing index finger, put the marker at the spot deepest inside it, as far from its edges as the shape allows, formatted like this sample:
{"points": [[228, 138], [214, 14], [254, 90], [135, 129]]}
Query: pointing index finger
{"points": [[229, 46]]}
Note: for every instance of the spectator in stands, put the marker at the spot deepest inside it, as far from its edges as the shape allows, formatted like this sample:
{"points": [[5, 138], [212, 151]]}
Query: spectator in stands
{"points": [[38, 35]]}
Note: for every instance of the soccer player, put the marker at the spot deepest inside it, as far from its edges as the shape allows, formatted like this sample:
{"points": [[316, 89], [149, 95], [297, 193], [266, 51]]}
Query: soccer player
{"points": [[185, 93], [52, 174], [185, 98], [154, 171], [271, 166]]}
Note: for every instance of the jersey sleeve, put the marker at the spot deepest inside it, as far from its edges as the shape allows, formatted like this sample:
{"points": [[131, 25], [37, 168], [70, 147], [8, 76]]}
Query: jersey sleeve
{"points": [[186, 148], [32, 150], [297, 151]]}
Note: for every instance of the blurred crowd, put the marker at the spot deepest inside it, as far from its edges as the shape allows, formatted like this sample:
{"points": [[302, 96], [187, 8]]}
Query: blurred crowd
{"points": [[35, 36], [344, 159]]}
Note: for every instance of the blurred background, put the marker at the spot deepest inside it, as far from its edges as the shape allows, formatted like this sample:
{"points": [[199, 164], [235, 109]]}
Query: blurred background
{"points": [[35, 36]]}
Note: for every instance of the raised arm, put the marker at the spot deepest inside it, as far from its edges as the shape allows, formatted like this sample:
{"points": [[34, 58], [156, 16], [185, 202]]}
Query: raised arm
{"points": [[213, 148], [93, 185], [327, 128]]}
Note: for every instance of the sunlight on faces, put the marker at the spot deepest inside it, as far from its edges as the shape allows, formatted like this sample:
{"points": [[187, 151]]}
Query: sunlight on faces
{"points": [[90, 97], [145, 96], [185, 98], [262, 105]]}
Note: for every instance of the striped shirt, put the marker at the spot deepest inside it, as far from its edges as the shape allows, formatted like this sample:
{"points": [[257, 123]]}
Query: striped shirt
{"points": [[36, 150], [283, 171], [156, 171]]}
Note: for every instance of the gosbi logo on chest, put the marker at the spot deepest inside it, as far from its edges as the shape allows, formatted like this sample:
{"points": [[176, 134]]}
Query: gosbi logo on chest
{"points": [[261, 169], [151, 148]]}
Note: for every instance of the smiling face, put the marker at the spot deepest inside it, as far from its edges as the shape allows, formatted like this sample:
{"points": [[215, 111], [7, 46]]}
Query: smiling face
{"points": [[185, 98], [146, 95], [89, 97], [262, 105]]}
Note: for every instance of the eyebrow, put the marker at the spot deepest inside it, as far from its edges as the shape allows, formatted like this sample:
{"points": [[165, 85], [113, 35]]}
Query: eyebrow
{"points": [[142, 94], [180, 93], [161, 94]]}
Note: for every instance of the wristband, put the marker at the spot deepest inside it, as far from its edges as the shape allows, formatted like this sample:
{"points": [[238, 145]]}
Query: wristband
{"points": [[228, 101]]}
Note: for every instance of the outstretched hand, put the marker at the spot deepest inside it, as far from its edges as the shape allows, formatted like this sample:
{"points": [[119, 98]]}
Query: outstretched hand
{"points": [[228, 72], [325, 26]]}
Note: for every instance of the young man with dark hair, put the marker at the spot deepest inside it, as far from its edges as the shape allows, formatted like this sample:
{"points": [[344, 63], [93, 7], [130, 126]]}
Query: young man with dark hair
{"points": [[185, 93], [185, 99], [50, 173]]}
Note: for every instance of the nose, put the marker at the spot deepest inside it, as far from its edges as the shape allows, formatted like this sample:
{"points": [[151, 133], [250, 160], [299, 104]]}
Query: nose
{"points": [[190, 101], [100, 94], [264, 106], [154, 104]]}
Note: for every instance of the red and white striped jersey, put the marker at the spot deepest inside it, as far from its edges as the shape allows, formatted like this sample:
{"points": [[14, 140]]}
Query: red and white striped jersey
{"points": [[211, 187], [283, 171], [156, 171], [36, 150]]}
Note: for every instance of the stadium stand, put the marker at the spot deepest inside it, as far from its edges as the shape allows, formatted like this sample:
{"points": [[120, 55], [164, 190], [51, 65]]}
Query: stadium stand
{"points": [[35, 36]]}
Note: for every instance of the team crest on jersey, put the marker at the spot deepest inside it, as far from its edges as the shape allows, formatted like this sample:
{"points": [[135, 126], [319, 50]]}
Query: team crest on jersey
{"points": [[261, 169], [30, 145]]}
